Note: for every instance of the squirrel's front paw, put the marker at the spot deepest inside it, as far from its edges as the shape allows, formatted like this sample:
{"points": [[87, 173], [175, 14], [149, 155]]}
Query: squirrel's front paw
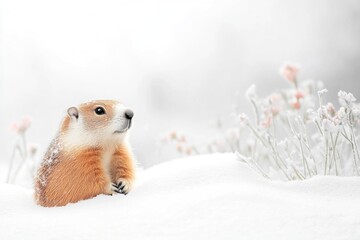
{"points": [[112, 189], [124, 185]]}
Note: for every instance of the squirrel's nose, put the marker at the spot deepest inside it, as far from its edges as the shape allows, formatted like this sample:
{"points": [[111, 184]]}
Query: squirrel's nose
{"points": [[129, 114]]}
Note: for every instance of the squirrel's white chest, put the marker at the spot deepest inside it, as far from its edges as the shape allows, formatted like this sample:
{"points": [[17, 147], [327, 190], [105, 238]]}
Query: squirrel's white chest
{"points": [[106, 163]]}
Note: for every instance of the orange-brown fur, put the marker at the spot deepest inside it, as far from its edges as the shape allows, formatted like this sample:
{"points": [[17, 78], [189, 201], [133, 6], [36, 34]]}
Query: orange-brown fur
{"points": [[77, 174], [121, 164]]}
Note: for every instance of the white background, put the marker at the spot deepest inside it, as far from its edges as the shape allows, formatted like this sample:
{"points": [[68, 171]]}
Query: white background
{"points": [[178, 64]]}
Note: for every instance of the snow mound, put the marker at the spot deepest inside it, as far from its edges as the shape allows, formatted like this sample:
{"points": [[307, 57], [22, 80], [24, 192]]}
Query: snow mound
{"points": [[204, 197]]}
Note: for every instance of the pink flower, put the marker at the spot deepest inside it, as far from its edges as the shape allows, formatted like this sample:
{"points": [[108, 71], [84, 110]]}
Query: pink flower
{"points": [[266, 123], [275, 110], [173, 135], [295, 104], [188, 151], [243, 118], [289, 71], [22, 126], [299, 94], [331, 109], [179, 148]]}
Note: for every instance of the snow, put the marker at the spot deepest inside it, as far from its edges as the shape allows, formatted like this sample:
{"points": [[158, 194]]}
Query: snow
{"points": [[50, 159], [203, 197]]}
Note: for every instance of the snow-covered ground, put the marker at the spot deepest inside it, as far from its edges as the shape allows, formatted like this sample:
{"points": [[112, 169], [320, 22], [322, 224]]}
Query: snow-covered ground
{"points": [[203, 197]]}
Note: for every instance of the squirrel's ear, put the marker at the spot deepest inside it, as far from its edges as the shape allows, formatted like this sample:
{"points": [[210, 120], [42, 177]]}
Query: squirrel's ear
{"points": [[73, 112]]}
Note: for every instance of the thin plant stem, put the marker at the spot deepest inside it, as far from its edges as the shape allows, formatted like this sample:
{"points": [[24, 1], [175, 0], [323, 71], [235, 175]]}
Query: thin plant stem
{"points": [[225, 138], [303, 157], [289, 132], [312, 156], [298, 136], [257, 167], [256, 134], [23, 157], [353, 150], [306, 143], [326, 154], [11, 163], [265, 145], [300, 176], [256, 111], [195, 150], [334, 151], [354, 141], [319, 128], [23, 137], [276, 158]]}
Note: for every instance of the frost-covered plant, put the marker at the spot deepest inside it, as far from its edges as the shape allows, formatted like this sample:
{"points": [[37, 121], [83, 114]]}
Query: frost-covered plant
{"points": [[293, 141], [294, 134], [26, 152], [181, 144]]}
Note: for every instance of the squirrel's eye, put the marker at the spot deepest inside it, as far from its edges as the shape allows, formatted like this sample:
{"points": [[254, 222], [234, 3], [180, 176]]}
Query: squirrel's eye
{"points": [[99, 111]]}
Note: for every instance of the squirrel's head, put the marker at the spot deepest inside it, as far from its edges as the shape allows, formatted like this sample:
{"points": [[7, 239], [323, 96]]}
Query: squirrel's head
{"points": [[96, 123]]}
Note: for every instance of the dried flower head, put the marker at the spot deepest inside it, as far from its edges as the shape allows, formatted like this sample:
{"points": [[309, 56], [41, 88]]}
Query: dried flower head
{"points": [[341, 115], [243, 118], [179, 148], [299, 94], [330, 109], [322, 92], [346, 99], [188, 151], [21, 126], [275, 110], [33, 149], [173, 135], [295, 104], [290, 71], [311, 116], [329, 126], [266, 123]]}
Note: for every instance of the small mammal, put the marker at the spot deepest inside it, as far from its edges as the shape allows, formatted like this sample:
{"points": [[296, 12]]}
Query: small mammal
{"points": [[89, 156]]}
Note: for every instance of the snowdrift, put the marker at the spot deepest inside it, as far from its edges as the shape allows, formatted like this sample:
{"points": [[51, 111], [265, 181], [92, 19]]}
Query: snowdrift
{"points": [[203, 197]]}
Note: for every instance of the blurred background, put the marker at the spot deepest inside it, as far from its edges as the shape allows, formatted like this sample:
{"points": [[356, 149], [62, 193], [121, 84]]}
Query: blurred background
{"points": [[180, 65]]}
